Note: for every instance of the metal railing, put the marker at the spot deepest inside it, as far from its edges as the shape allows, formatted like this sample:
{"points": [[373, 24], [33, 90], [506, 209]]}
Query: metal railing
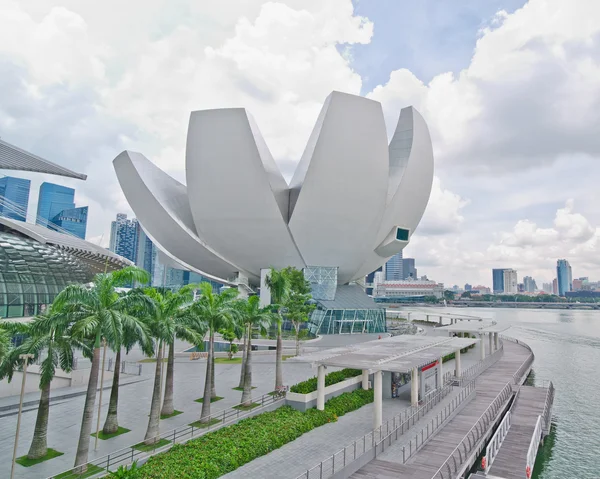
{"points": [[476, 369], [547, 413], [518, 376], [396, 426], [534, 445], [467, 446], [413, 446], [493, 447], [164, 441]]}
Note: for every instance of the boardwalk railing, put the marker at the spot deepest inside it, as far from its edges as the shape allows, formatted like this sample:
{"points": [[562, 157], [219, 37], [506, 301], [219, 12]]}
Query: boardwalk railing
{"points": [[547, 413], [533, 446], [477, 368], [493, 447], [421, 438], [459, 456], [398, 425], [165, 441], [518, 376]]}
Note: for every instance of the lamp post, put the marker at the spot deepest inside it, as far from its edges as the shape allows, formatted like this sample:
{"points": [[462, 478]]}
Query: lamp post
{"points": [[26, 358]]}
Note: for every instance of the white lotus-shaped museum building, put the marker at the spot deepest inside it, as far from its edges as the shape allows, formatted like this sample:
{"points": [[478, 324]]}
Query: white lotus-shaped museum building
{"points": [[353, 202]]}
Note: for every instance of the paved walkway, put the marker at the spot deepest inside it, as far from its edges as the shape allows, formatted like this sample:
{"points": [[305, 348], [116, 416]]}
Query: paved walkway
{"points": [[430, 458]]}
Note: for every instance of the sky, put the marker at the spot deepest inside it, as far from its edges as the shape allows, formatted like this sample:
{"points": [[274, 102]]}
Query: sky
{"points": [[510, 91]]}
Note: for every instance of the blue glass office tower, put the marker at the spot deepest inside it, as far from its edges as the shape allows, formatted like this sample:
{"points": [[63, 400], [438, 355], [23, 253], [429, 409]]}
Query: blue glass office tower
{"points": [[56, 210], [15, 193], [393, 268], [498, 280], [124, 236], [564, 276]]}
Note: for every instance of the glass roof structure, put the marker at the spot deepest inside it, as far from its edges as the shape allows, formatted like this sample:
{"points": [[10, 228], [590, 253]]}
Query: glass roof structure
{"points": [[398, 354], [15, 158]]}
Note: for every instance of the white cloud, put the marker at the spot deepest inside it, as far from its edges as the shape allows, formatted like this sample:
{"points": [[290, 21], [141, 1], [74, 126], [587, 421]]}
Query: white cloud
{"points": [[443, 214]]}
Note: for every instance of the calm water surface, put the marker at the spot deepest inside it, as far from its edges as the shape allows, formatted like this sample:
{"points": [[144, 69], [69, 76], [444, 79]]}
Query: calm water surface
{"points": [[566, 345]]}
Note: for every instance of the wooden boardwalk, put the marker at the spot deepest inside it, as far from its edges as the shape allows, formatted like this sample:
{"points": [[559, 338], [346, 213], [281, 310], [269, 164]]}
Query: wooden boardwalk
{"points": [[426, 462], [511, 460]]}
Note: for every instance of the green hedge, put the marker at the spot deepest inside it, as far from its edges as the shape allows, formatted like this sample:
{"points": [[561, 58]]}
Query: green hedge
{"points": [[226, 449], [310, 385]]}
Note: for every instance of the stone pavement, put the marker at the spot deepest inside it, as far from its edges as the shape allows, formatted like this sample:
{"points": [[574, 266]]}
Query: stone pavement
{"points": [[134, 406]]}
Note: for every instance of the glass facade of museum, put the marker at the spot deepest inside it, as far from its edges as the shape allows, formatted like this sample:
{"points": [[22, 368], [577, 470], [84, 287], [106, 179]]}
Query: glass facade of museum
{"points": [[32, 274], [351, 312]]}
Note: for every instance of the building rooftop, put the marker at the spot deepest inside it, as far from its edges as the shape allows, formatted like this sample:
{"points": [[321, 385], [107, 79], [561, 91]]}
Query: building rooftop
{"points": [[15, 158], [398, 353]]}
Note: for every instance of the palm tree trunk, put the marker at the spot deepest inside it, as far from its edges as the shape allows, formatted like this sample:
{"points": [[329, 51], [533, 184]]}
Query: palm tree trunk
{"points": [[39, 444], [168, 407], [154, 420], [278, 358], [247, 394], [243, 370], [88, 413], [205, 414], [111, 425]]}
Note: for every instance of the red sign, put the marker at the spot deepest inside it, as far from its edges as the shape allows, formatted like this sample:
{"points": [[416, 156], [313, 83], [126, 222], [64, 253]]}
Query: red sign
{"points": [[429, 366]]}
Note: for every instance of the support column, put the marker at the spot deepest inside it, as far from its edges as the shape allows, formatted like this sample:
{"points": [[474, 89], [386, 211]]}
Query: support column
{"points": [[482, 344], [457, 360], [414, 388], [377, 399], [427, 317], [496, 345], [491, 345], [321, 388], [440, 378], [365, 379], [440, 321]]}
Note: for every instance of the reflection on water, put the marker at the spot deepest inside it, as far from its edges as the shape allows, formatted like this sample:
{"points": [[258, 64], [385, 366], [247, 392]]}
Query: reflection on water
{"points": [[566, 345]]}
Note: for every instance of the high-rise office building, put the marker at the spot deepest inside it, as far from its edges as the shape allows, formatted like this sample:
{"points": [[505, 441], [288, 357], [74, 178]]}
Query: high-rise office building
{"points": [[529, 284], [124, 237], [498, 280], [468, 287], [547, 288], [555, 286], [510, 281], [14, 197], [56, 210], [408, 268], [145, 257], [564, 276], [393, 268]]}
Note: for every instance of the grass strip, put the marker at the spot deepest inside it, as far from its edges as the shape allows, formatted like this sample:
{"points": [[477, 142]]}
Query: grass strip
{"points": [[26, 462], [212, 400], [241, 389], [241, 407], [151, 447], [228, 361], [101, 435], [205, 424], [92, 470], [173, 414]]}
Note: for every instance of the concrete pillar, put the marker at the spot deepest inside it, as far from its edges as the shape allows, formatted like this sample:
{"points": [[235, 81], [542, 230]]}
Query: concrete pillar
{"points": [[377, 399], [457, 360], [321, 388], [440, 322], [491, 345], [414, 388], [427, 316], [440, 378], [496, 343], [365, 379], [482, 344]]}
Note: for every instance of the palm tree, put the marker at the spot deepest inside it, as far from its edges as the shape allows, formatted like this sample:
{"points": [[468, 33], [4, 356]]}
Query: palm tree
{"points": [[252, 315], [99, 313], [129, 339], [172, 317], [278, 283], [48, 332], [217, 311], [4, 342]]}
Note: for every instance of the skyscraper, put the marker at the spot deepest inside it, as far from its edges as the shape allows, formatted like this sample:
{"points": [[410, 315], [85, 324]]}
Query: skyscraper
{"points": [[124, 237], [14, 197], [408, 268], [56, 209], [529, 284], [564, 276], [393, 268], [498, 280], [510, 281]]}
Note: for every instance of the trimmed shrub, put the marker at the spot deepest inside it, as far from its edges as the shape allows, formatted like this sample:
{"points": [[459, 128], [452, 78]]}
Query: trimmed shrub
{"points": [[310, 385], [226, 449]]}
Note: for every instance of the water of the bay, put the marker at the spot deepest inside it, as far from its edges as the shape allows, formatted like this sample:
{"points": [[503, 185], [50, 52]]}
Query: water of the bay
{"points": [[566, 344]]}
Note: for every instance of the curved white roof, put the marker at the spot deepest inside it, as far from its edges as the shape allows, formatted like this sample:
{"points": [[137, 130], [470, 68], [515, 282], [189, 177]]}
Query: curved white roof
{"points": [[94, 256], [15, 158]]}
